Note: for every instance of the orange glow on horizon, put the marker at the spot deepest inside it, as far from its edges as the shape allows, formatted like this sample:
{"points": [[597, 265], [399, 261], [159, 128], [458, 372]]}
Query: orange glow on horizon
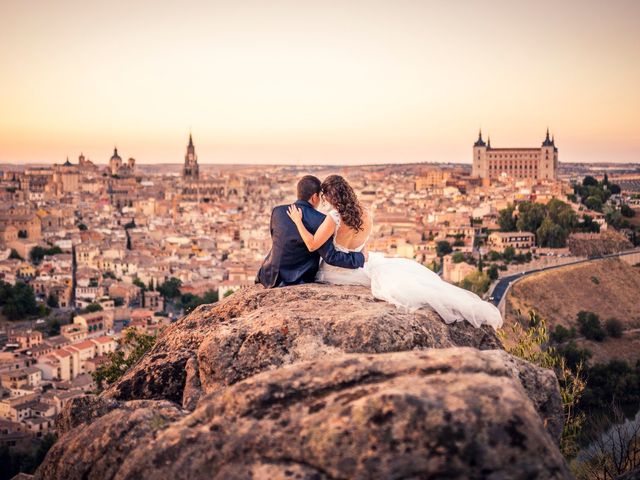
{"points": [[323, 82]]}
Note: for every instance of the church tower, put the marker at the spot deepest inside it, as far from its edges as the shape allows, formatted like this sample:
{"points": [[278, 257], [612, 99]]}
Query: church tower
{"points": [[115, 162], [190, 170]]}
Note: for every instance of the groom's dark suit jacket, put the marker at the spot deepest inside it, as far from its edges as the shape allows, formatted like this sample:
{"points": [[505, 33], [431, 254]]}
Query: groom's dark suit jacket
{"points": [[290, 262]]}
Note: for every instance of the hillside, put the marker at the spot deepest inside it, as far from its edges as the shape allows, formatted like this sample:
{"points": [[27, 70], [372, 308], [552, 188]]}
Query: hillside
{"points": [[610, 288], [316, 382]]}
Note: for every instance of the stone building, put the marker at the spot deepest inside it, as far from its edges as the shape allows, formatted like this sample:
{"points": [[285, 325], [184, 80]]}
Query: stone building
{"points": [[520, 241], [515, 163], [120, 168], [66, 177], [196, 189]]}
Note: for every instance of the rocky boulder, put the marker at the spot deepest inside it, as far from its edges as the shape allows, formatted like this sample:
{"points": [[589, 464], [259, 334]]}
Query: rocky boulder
{"points": [[316, 382], [256, 329]]}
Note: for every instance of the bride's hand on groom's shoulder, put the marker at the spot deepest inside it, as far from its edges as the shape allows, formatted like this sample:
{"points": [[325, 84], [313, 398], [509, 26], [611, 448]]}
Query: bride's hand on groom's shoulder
{"points": [[294, 213]]}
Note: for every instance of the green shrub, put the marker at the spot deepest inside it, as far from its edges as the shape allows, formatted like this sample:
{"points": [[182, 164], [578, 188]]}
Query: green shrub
{"points": [[614, 327], [531, 344], [131, 347], [457, 257], [561, 334], [590, 326]]}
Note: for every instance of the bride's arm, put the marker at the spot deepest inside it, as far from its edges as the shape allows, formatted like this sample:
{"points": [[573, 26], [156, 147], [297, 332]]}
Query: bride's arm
{"points": [[312, 241]]}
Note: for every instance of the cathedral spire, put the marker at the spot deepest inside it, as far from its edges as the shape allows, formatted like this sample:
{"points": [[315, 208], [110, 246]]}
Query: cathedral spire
{"points": [[547, 141], [190, 140], [479, 142]]}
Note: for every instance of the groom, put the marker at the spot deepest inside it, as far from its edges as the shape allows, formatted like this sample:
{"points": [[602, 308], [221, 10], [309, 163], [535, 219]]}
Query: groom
{"points": [[290, 262]]}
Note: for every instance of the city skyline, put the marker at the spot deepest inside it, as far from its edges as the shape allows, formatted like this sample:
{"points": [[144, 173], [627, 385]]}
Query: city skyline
{"points": [[317, 84]]}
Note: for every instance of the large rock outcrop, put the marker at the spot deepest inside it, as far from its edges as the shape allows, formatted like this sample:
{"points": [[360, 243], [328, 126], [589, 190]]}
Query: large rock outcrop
{"points": [[316, 382], [256, 329]]}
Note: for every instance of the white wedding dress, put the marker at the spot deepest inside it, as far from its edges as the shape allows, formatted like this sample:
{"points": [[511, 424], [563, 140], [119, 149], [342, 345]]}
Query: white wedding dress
{"points": [[410, 285]]}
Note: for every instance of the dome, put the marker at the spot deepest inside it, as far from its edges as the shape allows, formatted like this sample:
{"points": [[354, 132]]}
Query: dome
{"points": [[115, 155]]}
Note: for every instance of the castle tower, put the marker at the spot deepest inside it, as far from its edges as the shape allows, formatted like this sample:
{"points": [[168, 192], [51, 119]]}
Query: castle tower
{"points": [[479, 166], [191, 168], [548, 159]]}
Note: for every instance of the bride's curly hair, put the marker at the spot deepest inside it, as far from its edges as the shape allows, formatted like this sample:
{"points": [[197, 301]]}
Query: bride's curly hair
{"points": [[339, 193]]}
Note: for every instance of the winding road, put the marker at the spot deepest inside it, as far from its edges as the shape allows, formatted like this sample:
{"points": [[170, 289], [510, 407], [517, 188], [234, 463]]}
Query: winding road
{"points": [[502, 286]]}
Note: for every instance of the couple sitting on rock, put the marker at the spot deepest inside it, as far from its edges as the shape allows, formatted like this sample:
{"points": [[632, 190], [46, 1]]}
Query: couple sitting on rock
{"points": [[309, 246]]}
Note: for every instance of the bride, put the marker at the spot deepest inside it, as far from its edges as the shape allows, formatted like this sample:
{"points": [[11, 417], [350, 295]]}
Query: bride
{"points": [[400, 281]]}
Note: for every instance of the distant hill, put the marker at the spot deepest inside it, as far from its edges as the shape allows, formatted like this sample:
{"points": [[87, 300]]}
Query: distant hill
{"points": [[610, 288]]}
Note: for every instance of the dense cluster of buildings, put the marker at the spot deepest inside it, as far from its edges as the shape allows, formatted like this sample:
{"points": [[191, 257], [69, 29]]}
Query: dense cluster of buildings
{"points": [[112, 235]]}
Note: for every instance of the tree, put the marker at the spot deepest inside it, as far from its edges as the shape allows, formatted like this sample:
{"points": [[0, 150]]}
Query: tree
{"points": [[593, 203], [590, 326], [457, 257], [229, 292], [16, 460], [551, 235], [443, 248], [508, 253], [37, 253], [530, 216], [561, 334], [614, 448], [140, 283], [18, 301], [573, 355], [210, 296], [614, 327], [52, 301], [93, 307], [53, 326], [15, 255], [506, 219], [615, 189], [131, 347], [493, 256], [492, 271], [170, 289], [589, 181], [82, 226], [627, 211], [588, 225], [562, 214], [476, 282]]}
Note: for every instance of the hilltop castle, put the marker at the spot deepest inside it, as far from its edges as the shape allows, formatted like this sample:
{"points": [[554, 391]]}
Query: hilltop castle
{"points": [[516, 163]]}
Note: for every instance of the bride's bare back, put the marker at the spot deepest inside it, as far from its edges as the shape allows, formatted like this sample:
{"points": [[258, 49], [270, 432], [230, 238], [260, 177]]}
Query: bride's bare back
{"points": [[349, 238]]}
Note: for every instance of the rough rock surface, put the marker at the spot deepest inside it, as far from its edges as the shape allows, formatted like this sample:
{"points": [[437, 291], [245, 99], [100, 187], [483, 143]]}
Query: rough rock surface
{"points": [[257, 329], [456, 413], [316, 382]]}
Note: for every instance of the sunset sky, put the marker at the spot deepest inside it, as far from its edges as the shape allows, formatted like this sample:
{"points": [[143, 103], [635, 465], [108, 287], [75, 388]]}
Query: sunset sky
{"points": [[317, 82]]}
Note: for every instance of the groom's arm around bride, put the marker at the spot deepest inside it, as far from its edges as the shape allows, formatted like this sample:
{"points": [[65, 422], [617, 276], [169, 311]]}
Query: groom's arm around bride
{"points": [[289, 262]]}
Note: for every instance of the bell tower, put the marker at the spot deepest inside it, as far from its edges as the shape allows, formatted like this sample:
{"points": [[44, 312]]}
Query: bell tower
{"points": [[190, 170]]}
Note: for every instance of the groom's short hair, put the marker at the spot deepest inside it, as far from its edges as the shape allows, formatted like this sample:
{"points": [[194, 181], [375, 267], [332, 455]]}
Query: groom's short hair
{"points": [[307, 187]]}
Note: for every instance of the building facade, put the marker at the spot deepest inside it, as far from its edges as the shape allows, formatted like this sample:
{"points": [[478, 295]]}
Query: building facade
{"points": [[520, 241], [515, 163]]}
